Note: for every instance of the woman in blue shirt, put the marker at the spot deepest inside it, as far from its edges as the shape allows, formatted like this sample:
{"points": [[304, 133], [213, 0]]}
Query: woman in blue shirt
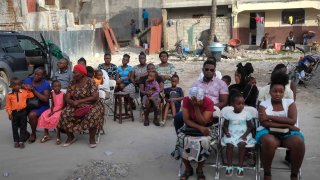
{"points": [[41, 89], [124, 78]]}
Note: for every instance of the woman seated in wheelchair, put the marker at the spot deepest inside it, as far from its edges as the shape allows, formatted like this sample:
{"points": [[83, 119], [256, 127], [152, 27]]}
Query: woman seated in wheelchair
{"points": [[278, 117], [197, 113], [237, 130], [151, 98]]}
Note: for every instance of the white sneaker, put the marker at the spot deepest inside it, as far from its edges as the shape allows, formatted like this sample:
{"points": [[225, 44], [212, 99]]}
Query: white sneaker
{"points": [[162, 123]]}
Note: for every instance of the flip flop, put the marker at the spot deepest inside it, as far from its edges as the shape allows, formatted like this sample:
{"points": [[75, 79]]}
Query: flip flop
{"points": [[69, 143], [45, 139]]}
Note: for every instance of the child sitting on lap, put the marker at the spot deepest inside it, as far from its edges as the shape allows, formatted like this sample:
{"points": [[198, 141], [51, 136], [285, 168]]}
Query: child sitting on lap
{"points": [[152, 90]]}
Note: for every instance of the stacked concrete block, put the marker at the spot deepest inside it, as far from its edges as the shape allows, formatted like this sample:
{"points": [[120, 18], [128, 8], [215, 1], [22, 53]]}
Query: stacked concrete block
{"points": [[178, 31]]}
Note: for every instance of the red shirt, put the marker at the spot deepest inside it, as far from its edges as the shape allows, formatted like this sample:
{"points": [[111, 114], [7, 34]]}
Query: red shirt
{"points": [[207, 105]]}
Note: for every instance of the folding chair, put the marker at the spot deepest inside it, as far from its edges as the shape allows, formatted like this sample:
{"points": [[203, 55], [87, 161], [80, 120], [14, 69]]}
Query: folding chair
{"points": [[282, 169], [214, 130], [220, 147]]}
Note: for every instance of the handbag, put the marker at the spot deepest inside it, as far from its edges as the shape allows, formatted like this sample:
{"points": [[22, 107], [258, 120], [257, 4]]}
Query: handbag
{"points": [[187, 130], [33, 103], [80, 112]]}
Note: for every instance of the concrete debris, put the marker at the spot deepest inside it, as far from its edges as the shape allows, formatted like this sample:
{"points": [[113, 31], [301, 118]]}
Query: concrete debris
{"points": [[100, 170]]}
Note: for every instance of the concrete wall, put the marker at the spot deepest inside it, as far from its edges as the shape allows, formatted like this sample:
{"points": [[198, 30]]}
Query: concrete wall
{"points": [[118, 12], [121, 12], [96, 9], [43, 20], [184, 22]]}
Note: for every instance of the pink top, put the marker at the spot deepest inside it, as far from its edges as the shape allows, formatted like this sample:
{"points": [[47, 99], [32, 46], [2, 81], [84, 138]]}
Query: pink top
{"points": [[213, 88], [58, 100]]}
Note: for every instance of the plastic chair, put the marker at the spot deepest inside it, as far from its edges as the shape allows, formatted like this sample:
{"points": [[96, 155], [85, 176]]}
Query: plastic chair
{"points": [[221, 164], [107, 98]]}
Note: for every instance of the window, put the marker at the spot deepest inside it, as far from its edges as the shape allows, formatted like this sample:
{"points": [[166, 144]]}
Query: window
{"points": [[27, 44], [50, 2], [298, 16], [10, 45]]}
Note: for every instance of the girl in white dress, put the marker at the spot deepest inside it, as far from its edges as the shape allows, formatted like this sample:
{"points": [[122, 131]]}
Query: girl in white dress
{"points": [[237, 129]]}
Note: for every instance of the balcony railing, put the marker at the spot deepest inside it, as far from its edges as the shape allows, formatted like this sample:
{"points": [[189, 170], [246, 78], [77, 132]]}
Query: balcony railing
{"points": [[192, 3]]}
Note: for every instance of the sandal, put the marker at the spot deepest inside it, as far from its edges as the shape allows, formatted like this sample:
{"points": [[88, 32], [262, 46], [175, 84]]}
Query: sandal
{"points": [[240, 173], [229, 171], [58, 141], [66, 144], [45, 139], [186, 175], [200, 175]]}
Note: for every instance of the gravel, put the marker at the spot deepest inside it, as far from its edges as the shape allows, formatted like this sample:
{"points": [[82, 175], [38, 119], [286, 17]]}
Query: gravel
{"points": [[100, 170]]}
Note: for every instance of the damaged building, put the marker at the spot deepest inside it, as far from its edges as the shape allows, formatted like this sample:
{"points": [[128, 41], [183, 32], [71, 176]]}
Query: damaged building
{"points": [[188, 21]]}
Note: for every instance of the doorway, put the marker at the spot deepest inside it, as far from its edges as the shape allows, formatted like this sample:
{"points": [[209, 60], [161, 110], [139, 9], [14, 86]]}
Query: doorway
{"points": [[257, 20]]}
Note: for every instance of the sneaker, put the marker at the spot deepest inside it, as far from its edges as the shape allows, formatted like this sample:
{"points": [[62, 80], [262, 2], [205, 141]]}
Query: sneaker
{"points": [[229, 171], [21, 144], [16, 145], [240, 173], [162, 123]]}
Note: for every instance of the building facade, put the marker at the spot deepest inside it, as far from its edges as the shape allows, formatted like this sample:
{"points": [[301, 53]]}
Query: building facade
{"points": [[188, 21], [253, 18]]}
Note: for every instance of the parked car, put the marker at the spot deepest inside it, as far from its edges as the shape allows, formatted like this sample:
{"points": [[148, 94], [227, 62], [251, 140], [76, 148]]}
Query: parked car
{"points": [[19, 56]]}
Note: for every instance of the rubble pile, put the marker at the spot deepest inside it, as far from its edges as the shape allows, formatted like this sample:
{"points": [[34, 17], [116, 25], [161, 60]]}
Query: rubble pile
{"points": [[100, 170]]}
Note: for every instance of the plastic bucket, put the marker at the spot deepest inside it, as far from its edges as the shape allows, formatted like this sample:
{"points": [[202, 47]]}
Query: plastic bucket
{"points": [[277, 46]]}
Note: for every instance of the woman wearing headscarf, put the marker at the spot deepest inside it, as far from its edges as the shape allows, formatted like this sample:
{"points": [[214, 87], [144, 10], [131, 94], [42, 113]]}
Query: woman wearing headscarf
{"points": [[84, 111]]}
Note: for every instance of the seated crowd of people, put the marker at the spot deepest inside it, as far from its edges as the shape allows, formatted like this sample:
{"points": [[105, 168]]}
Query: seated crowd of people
{"points": [[76, 107]]}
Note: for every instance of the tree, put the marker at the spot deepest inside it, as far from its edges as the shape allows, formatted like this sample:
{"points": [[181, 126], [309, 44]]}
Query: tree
{"points": [[212, 25]]}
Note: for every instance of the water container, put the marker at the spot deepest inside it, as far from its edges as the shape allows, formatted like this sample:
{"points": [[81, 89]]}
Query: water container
{"points": [[277, 46]]}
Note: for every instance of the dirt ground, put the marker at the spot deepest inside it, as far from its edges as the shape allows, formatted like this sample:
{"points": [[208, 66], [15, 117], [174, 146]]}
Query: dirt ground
{"points": [[146, 150]]}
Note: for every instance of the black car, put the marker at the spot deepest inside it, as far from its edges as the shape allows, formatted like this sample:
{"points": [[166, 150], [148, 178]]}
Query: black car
{"points": [[19, 56]]}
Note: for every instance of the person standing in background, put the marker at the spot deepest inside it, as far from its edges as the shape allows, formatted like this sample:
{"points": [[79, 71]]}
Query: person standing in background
{"points": [[133, 28], [145, 16]]}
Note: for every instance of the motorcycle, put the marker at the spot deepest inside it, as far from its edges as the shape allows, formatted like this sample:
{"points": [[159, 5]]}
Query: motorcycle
{"points": [[305, 69]]}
